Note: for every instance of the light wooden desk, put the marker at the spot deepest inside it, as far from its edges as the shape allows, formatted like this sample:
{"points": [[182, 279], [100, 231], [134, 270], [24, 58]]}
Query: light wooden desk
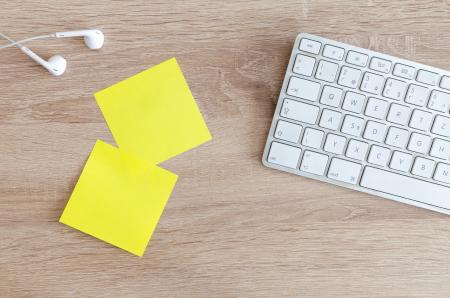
{"points": [[232, 227]]}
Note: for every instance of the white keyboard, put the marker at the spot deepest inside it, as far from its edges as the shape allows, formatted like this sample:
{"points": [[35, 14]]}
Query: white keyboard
{"points": [[364, 120]]}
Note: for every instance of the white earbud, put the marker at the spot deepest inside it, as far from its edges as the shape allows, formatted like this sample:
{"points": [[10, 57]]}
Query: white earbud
{"points": [[56, 65], [92, 38]]}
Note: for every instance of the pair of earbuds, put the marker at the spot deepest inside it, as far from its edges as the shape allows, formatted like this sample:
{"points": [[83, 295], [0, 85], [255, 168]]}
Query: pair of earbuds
{"points": [[56, 65]]}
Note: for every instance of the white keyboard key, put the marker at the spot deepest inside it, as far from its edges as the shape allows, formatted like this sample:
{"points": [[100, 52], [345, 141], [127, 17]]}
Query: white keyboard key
{"points": [[440, 149], [439, 101], [330, 119], [394, 89], [401, 161], [284, 155], [333, 52], [406, 187], [445, 83], [312, 138], [441, 126], [310, 46], [397, 137], [417, 95], [442, 173], [287, 131], [334, 144], [421, 120], [427, 77], [357, 150], [352, 125], [299, 111], [423, 167], [376, 108], [314, 163], [357, 58], [375, 131], [379, 155], [398, 114], [349, 77], [353, 102], [372, 83], [380, 65], [344, 170], [304, 65], [326, 71], [404, 71], [331, 96], [419, 143], [302, 88]]}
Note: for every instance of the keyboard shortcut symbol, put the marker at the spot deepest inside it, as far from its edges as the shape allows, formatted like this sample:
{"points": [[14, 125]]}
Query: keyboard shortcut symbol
{"points": [[344, 171]]}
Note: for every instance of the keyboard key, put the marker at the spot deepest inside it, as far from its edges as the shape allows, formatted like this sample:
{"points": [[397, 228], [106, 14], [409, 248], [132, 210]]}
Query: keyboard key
{"points": [[357, 150], [397, 137], [380, 65], [445, 83], [326, 71], [349, 77], [404, 71], [312, 138], [344, 170], [417, 95], [423, 167], [287, 131], [421, 120], [352, 125], [406, 187], [284, 155], [442, 173], [376, 108], [394, 89], [399, 114], [314, 163], [419, 143], [427, 77], [333, 52], [302, 88], [372, 83], [440, 149], [441, 126], [374, 131], [299, 111], [401, 161], [379, 155], [310, 46], [331, 96], [353, 102], [439, 101], [304, 65], [357, 58], [330, 119], [334, 144]]}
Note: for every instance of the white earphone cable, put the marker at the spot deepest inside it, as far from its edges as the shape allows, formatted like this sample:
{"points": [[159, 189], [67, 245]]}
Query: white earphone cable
{"points": [[16, 43]]}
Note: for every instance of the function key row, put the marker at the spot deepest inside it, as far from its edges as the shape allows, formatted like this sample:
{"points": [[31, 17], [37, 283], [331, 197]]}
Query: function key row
{"points": [[376, 63]]}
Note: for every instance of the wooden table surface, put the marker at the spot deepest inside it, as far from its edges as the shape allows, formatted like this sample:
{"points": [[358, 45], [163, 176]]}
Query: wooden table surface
{"points": [[232, 228]]}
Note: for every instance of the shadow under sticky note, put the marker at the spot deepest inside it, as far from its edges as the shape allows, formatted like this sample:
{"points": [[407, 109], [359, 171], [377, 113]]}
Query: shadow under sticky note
{"points": [[119, 198], [153, 114]]}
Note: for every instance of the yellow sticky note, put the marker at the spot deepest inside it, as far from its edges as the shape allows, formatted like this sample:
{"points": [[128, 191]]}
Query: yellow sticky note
{"points": [[118, 198], [153, 114]]}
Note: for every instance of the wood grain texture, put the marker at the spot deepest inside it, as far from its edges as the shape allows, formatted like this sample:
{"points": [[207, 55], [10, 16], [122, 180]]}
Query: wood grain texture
{"points": [[232, 227]]}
